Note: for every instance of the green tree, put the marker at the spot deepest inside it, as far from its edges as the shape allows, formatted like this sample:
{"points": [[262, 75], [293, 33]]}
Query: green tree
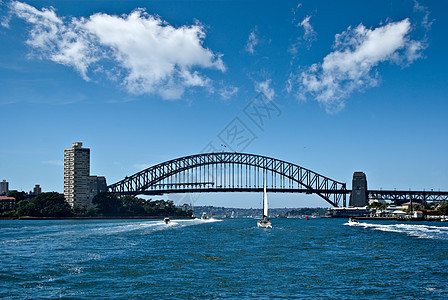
{"points": [[18, 195], [108, 204], [132, 206], [162, 208], [24, 208], [443, 209], [50, 204]]}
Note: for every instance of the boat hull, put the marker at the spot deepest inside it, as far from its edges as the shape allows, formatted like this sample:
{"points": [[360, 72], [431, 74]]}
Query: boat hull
{"points": [[264, 224]]}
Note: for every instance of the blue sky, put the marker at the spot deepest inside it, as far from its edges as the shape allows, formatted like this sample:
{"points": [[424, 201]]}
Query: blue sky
{"points": [[354, 86]]}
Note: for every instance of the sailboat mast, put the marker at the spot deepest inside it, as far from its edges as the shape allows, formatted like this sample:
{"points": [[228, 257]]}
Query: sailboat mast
{"points": [[265, 197]]}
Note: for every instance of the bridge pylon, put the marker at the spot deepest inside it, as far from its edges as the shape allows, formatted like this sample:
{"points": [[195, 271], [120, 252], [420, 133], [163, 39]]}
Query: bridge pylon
{"points": [[359, 196]]}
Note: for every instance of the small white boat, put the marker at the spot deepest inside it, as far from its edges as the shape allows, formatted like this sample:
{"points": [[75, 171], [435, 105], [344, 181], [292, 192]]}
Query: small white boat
{"points": [[264, 223], [166, 220], [204, 216], [353, 221]]}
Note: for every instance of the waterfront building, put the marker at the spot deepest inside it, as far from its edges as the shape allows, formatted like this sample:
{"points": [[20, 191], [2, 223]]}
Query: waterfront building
{"points": [[4, 189], [77, 175], [346, 212], [7, 203], [97, 185]]}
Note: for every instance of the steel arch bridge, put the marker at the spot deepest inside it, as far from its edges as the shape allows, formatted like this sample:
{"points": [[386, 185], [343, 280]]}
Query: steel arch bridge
{"points": [[230, 172]]}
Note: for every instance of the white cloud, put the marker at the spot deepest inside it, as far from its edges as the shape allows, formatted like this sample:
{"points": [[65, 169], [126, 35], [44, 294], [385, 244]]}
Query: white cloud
{"points": [[425, 22], [225, 91], [265, 88], [252, 41], [66, 44], [228, 91], [351, 66], [309, 34], [306, 33], [152, 56]]}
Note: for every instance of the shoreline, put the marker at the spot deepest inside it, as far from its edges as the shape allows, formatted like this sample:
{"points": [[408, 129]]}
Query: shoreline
{"points": [[93, 218]]}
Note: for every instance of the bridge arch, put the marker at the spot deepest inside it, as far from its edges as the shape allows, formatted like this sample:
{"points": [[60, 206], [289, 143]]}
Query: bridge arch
{"points": [[230, 172]]}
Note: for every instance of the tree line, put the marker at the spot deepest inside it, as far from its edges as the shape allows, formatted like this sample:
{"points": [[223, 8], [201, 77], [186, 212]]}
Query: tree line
{"points": [[53, 204]]}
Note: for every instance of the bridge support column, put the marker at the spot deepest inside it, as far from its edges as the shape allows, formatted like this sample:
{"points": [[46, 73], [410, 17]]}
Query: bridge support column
{"points": [[359, 195]]}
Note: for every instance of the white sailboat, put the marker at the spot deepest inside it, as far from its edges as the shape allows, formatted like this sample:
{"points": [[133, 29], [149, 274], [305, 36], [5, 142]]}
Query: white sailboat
{"points": [[264, 223]]}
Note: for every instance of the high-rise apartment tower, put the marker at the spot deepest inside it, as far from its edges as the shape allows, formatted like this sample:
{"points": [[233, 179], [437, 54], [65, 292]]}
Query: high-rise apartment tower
{"points": [[4, 188], [77, 175]]}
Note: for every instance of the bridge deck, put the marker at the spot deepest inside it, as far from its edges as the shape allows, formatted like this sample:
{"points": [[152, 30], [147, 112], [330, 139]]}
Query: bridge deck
{"points": [[224, 190]]}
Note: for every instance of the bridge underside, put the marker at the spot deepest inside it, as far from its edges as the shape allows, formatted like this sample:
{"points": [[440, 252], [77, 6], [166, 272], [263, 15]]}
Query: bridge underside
{"points": [[227, 190]]}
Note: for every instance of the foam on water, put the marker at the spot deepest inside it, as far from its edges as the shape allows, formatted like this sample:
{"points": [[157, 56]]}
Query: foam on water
{"points": [[415, 230], [85, 230], [152, 225], [209, 220]]}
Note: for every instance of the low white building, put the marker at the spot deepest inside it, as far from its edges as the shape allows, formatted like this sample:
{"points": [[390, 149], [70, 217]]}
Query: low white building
{"points": [[346, 212]]}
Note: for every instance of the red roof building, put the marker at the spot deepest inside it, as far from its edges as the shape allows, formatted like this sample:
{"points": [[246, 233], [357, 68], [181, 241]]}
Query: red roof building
{"points": [[7, 203]]}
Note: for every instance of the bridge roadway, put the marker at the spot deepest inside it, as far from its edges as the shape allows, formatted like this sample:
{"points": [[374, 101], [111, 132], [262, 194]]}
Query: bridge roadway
{"points": [[398, 197], [242, 189]]}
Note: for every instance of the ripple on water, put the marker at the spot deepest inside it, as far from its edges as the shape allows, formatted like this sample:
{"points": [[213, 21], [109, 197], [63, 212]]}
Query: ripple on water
{"points": [[320, 258]]}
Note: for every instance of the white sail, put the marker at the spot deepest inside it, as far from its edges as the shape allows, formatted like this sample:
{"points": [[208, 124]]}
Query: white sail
{"points": [[264, 223], [265, 197]]}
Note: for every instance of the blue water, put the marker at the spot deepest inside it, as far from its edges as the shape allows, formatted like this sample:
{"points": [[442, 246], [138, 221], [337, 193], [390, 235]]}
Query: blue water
{"points": [[231, 258]]}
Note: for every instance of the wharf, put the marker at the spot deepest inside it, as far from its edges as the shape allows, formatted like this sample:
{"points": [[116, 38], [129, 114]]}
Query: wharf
{"points": [[402, 219]]}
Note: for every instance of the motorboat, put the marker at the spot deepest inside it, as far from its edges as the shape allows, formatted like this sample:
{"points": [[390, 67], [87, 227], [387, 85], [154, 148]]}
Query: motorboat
{"points": [[204, 216], [166, 220], [264, 223], [353, 221]]}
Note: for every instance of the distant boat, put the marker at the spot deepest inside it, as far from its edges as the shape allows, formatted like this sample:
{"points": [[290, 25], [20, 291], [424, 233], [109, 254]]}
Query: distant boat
{"points": [[353, 221], [166, 220], [264, 223], [204, 216]]}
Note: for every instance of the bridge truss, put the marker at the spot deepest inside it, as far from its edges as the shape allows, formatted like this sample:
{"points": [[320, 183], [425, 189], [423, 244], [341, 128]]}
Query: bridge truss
{"points": [[230, 172], [400, 197]]}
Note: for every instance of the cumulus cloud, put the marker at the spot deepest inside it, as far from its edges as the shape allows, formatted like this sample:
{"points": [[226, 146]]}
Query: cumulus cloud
{"points": [[252, 41], [143, 52], [351, 66], [265, 88]]}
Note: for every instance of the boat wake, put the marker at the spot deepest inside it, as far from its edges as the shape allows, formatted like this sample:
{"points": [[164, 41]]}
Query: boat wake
{"points": [[415, 230], [208, 220], [159, 225]]}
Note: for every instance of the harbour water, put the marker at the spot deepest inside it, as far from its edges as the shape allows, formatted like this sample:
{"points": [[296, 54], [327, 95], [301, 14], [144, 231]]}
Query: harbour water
{"points": [[230, 258]]}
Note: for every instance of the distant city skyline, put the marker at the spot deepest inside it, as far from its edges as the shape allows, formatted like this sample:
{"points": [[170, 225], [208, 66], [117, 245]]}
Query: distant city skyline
{"points": [[349, 87]]}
